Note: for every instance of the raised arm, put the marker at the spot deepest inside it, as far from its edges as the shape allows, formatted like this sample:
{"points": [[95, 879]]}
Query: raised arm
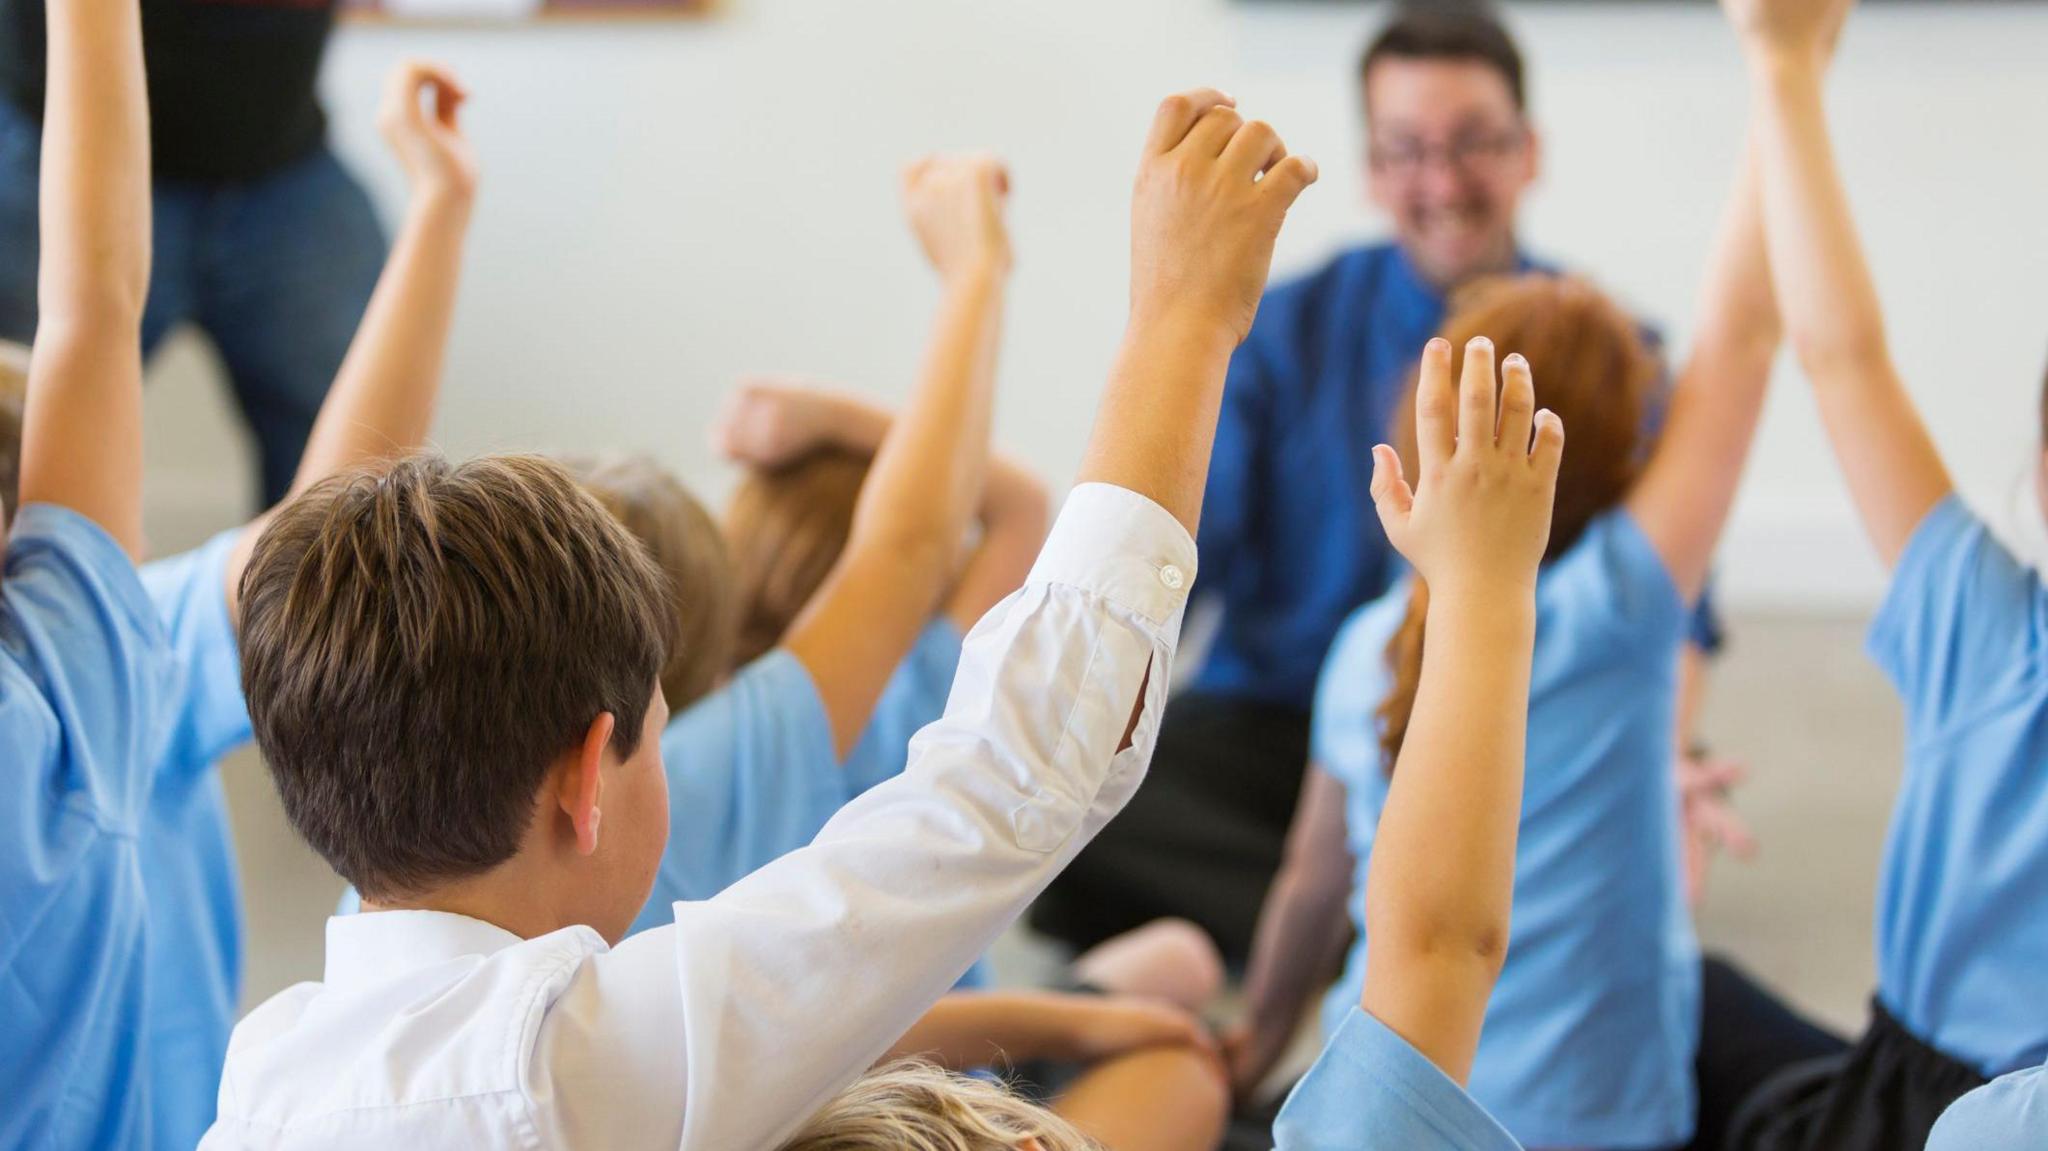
{"points": [[927, 476], [1831, 307], [966, 1030], [1443, 865], [82, 429], [1207, 172], [1683, 498], [770, 423], [383, 398]]}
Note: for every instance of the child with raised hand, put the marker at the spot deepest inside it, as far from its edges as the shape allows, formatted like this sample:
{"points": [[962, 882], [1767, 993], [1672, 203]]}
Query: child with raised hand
{"points": [[504, 840], [1962, 940], [1475, 525], [755, 765], [85, 670], [1603, 957], [380, 404]]}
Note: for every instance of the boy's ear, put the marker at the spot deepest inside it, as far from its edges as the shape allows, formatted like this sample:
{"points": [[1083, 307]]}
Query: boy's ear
{"points": [[581, 785]]}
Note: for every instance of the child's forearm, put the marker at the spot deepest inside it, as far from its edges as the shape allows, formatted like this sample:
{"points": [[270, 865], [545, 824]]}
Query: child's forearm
{"points": [[927, 473], [1156, 424], [966, 1030], [82, 436], [383, 398], [1442, 878], [1894, 471]]}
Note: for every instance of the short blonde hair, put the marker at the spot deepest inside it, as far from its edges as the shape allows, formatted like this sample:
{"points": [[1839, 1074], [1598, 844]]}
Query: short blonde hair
{"points": [[786, 528], [914, 1106], [687, 545]]}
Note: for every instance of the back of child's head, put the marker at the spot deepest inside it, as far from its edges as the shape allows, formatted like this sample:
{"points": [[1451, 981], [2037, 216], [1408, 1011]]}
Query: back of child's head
{"points": [[13, 400], [918, 1107], [1594, 369], [786, 527], [689, 548], [421, 641]]}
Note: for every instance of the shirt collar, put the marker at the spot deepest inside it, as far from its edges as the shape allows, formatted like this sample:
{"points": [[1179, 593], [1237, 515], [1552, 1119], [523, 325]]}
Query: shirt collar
{"points": [[375, 946]]}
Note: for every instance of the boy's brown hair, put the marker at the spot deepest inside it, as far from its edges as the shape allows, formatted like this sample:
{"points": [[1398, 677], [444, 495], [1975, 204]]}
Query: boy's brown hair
{"points": [[13, 400], [786, 528], [687, 545], [421, 640]]}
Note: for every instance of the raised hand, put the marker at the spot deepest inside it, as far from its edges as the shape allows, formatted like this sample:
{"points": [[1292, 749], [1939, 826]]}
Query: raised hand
{"points": [[428, 142], [1480, 512], [1806, 29], [955, 205], [1212, 192], [770, 421]]}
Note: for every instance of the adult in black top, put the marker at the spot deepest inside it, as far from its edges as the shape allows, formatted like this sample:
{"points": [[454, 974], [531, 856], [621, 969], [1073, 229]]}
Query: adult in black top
{"points": [[261, 238]]}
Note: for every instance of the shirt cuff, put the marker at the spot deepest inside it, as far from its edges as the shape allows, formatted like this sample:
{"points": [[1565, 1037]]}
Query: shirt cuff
{"points": [[1113, 543], [1370, 1082]]}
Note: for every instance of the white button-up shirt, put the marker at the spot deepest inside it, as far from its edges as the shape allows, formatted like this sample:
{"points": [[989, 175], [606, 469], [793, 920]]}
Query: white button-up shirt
{"points": [[728, 1029]]}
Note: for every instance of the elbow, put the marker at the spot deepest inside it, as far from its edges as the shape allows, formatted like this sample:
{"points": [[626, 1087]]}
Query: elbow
{"points": [[1472, 941]]}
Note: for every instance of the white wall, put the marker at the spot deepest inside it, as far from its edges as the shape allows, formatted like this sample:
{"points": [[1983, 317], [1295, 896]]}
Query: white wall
{"points": [[669, 206]]}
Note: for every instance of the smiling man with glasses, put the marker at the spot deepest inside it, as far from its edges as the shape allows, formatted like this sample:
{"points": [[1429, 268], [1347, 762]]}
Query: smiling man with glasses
{"points": [[1289, 541]]}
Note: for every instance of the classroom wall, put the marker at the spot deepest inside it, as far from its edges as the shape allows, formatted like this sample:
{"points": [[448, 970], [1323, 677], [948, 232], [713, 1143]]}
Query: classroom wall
{"points": [[670, 206]]}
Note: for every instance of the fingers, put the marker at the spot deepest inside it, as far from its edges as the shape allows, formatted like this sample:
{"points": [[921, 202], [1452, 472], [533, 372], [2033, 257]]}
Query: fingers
{"points": [[1289, 178], [1549, 450], [1213, 132], [1391, 495], [1517, 405], [1436, 434], [1476, 396], [1178, 113], [1255, 148]]}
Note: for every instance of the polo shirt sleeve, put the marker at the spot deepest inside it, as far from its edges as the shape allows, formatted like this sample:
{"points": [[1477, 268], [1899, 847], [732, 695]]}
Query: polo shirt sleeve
{"points": [[84, 671], [208, 715], [1372, 1091], [1616, 589], [1961, 625], [752, 775], [2007, 1114]]}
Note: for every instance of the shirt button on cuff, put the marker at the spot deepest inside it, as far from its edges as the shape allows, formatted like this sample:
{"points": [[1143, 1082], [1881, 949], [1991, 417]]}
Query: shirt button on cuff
{"points": [[1171, 576]]}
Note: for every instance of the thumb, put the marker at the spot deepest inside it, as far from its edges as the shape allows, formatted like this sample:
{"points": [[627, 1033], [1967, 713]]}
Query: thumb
{"points": [[1391, 495]]}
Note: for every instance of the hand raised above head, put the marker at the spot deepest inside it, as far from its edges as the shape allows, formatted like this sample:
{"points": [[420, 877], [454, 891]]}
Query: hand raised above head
{"points": [[1806, 28], [1212, 192], [770, 421], [955, 204], [1479, 513], [429, 143]]}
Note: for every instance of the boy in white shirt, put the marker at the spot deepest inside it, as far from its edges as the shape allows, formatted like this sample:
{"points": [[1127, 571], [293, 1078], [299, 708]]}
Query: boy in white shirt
{"points": [[452, 672]]}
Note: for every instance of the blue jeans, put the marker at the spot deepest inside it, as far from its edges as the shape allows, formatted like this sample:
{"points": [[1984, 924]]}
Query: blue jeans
{"points": [[276, 272]]}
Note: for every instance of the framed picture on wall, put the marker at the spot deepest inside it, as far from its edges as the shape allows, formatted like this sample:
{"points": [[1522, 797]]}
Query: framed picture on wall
{"points": [[513, 11]]}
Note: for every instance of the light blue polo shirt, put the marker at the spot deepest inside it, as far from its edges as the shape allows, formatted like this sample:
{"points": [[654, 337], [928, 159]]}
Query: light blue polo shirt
{"points": [[1962, 913], [1590, 1034], [1370, 1090], [85, 673], [2007, 1114], [194, 917]]}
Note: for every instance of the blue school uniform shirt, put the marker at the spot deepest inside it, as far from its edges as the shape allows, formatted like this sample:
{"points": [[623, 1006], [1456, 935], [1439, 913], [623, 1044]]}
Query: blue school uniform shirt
{"points": [[84, 676], [1590, 1034], [2007, 1114], [1962, 915], [1290, 542], [753, 774], [193, 914], [1370, 1090]]}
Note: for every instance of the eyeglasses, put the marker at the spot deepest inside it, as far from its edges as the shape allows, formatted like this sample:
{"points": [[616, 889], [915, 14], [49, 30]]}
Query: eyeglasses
{"points": [[1467, 153]]}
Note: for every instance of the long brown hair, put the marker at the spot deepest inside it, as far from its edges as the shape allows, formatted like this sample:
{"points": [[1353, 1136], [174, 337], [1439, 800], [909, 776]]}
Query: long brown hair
{"points": [[1593, 368], [786, 528]]}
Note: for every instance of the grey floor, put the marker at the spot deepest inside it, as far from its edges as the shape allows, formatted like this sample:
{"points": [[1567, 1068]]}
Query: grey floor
{"points": [[1793, 697]]}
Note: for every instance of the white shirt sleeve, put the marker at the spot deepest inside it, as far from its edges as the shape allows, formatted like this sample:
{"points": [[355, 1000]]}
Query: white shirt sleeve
{"points": [[728, 1029]]}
